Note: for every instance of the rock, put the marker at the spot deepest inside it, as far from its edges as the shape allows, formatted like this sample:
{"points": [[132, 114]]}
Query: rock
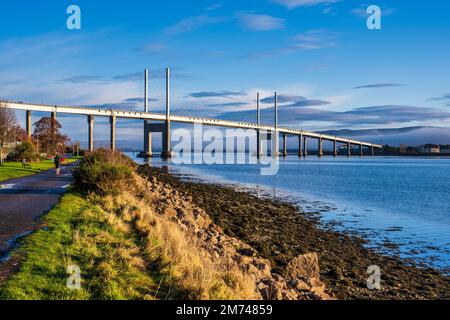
{"points": [[299, 285], [248, 252], [289, 295], [305, 266], [271, 290]]}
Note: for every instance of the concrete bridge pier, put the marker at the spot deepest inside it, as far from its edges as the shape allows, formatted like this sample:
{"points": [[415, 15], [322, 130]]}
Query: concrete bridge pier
{"points": [[258, 132], [300, 151], [285, 145], [305, 147], [335, 151], [91, 133], [113, 122], [28, 125], [53, 124], [320, 148], [147, 140], [372, 150], [349, 149], [361, 150]]}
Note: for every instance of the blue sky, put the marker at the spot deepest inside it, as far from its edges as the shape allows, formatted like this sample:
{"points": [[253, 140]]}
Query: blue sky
{"points": [[330, 70]]}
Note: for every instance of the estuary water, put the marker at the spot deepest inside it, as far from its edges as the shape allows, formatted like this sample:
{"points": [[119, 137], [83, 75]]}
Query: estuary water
{"points": [[400, 204]]}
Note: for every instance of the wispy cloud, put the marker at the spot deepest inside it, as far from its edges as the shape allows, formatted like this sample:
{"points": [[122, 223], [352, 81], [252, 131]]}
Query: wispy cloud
{"points": [[295, 101], [292, 4], [193, 23], [445, 98], [86, 79], [379, 85], [358, 117], [361, 12], [153, 48], [313, 40], [260, 22], [217, 94], [227, 104], [309, 40]]}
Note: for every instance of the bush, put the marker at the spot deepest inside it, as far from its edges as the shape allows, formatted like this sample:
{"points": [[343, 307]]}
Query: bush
{"points": [[104, 172], [24, 151]]}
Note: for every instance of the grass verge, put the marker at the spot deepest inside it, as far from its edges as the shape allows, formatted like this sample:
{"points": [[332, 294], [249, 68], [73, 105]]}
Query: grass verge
{"points": [[79, 234], [12, 170]]}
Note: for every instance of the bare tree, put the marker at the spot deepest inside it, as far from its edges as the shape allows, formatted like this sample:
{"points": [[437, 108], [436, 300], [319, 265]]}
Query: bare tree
{"points": [[9, 129]]}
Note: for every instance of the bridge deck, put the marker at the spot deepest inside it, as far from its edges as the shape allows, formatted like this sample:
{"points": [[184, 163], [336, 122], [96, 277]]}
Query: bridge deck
{"points": [[174, 118]]}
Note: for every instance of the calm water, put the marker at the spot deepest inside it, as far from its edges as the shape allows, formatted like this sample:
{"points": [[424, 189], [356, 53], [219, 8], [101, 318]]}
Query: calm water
{"points": [[401, 201]]}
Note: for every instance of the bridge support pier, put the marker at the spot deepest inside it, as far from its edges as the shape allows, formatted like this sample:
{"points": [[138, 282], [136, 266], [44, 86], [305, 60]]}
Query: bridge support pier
{"points": [[320, 148], [53, 124], [372, 151], [258, 131], [349, 149], [285, 145], [300, 151], [305, 147], [335, 152], [147, 140], [113, 121], [361, 150], [28, 125], [91, 133]]}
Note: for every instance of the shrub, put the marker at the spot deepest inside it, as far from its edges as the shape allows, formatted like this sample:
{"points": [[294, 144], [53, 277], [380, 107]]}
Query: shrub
{"points": [[104, 172], [24, 151]]}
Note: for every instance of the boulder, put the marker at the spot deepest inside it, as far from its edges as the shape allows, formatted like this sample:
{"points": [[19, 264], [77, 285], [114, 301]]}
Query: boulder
{"points": [[305, 266]]}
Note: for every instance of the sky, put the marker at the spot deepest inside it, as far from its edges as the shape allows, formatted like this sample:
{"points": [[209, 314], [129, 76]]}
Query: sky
{"points": [[329, 70]]}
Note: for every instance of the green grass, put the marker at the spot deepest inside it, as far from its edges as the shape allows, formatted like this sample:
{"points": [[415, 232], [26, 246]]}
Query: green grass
{"points": [[78, 234], [14, 169]]}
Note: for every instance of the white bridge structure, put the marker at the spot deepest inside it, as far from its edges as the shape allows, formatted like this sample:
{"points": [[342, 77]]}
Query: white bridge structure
{"points": [[155, 122]]}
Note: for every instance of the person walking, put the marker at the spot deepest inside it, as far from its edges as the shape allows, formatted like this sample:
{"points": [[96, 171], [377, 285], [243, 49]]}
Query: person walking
{"points": [[57, 161]]}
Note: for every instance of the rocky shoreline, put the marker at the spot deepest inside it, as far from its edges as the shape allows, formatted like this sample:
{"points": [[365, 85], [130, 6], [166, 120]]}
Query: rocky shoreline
{"points": [[286, 248]]}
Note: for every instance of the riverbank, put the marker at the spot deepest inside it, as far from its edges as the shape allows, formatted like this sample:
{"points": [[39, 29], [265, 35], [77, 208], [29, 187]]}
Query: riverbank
{"points": [[136, 238], [279, 232]]}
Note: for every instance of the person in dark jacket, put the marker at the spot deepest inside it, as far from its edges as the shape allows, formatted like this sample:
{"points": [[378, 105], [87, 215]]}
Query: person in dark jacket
{"points": [[57, 161]]}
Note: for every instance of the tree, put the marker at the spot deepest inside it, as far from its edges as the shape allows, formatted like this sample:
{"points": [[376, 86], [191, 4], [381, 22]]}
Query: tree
{"points": [[10, 131], [48, 137]]}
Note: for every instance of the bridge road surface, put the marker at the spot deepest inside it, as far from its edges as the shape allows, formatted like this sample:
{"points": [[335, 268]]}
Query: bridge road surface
{"points": [[24, 200]]}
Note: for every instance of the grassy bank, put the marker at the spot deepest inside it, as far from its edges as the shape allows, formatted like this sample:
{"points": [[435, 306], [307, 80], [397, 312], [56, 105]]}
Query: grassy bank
{"points": [[14, 169], [122, 246]]}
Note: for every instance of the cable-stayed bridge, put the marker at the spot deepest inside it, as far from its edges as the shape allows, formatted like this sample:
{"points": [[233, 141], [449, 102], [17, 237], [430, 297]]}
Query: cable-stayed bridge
{"points": [[161, 122]]}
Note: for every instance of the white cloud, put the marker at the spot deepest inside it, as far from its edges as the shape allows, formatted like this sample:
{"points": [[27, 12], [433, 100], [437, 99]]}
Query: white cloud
{"points": [[292, 4], [192, 23], [260, 22], [361, 12]]}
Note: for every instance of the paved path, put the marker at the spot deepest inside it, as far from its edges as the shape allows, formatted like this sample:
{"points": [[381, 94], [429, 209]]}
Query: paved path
{"points": [[24, 200]]}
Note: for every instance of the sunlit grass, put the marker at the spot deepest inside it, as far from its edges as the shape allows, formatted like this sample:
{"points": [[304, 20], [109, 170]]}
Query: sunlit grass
{"points": [[11, 170]]}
